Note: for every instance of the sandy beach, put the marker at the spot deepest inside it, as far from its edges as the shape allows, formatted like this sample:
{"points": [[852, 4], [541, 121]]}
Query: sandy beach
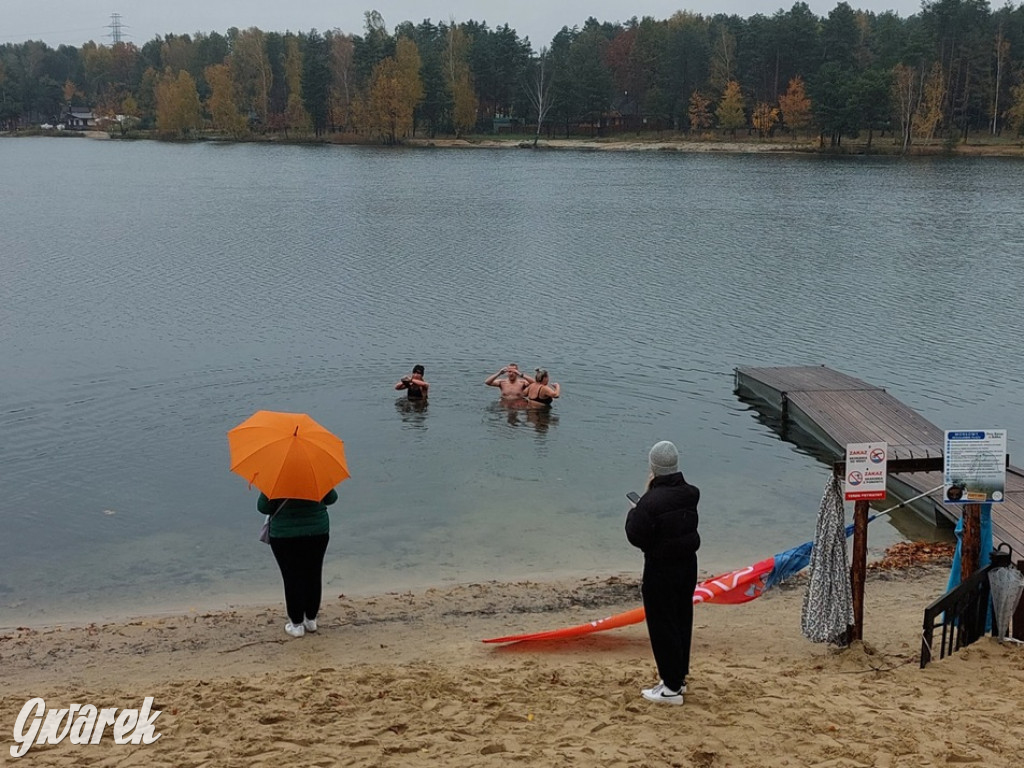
{"points": [[403, 680]]}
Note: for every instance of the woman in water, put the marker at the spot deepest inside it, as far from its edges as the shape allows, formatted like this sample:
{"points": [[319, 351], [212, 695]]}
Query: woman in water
{"points": [[540, 392]]}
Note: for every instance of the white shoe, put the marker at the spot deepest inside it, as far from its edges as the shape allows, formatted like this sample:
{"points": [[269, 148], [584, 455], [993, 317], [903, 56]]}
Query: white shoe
{"points": [[663, 695], [681, 690], [295, 630], [309, 624]]}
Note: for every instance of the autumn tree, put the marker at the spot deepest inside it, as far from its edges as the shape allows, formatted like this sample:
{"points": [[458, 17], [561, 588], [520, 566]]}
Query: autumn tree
{"points": [[250, 66], [730, 109], [795, 106], [98, 64], [699, 112], [929, 111], [177, 104], [343, 85], [395, 90], [296, 116], [464, 105], [459, 80], [765, 117], [222, 104], [407, 56], [129, 118]]}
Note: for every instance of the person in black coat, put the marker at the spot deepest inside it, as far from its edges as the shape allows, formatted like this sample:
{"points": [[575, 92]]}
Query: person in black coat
{"points": [[663, 524]]}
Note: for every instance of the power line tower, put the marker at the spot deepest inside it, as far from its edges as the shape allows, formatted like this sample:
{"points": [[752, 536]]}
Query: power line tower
{"points": [[116, 28]]}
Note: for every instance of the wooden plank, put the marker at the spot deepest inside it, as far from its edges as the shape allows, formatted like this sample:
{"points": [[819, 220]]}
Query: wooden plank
{"points": [[804, 378]]}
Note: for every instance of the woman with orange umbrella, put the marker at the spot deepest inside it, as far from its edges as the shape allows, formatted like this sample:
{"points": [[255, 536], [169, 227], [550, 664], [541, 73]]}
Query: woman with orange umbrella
{"points": [[295, 463]]}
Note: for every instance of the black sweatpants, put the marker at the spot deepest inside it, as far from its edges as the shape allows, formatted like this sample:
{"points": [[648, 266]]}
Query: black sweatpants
{"points": [[301, 560], [668, 604]]}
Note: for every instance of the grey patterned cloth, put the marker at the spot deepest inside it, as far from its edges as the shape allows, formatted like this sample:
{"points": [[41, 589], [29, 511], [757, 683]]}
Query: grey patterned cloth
{"points": [[1007, 584], [828, 601]]}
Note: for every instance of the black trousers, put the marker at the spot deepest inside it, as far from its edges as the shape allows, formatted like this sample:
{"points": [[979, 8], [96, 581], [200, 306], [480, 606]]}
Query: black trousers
{"points": [[301, 560], [668, 603]]}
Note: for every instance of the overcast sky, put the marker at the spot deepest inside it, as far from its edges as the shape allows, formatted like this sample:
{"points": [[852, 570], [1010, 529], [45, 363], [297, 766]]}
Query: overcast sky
{"points": [[74, 22]]}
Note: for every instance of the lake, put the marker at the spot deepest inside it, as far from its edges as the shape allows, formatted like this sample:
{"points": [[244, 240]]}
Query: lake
{"points": [[154, 295]]}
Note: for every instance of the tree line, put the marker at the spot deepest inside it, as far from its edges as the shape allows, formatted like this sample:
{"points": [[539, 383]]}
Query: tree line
{"points": [[953, 69]]}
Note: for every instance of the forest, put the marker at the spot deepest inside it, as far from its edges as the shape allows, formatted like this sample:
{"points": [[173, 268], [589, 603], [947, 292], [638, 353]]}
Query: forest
{"points": [[952, 71]]}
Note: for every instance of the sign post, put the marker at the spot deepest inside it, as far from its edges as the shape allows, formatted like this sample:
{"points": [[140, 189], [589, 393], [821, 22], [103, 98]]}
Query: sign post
{"points": [[864, 482], [974, 473]]}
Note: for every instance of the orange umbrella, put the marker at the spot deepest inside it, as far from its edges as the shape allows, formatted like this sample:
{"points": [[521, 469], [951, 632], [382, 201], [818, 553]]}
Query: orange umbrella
{"points": [[287, 455]]}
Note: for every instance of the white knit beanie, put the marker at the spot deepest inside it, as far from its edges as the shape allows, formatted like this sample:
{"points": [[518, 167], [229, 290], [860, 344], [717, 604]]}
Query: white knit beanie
{"points": [[664, 459]]}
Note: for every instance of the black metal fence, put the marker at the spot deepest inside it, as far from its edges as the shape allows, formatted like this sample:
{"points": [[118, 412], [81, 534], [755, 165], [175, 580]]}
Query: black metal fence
{"points": [[962, 613]]}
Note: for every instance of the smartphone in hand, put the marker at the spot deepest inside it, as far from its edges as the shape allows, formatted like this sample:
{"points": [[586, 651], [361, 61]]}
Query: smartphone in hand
{"points": [[633, 497]]}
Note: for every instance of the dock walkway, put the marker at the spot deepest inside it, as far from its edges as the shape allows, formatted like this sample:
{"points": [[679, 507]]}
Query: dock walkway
{"points": [[834, 409]]}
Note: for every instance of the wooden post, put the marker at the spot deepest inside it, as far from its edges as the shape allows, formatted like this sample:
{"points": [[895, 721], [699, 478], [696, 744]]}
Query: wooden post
{"points": [[970, 554], [859, 567]]}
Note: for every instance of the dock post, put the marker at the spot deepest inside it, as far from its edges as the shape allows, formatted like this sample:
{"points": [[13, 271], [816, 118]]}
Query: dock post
{"points": [[859, 567], [970, 554]]}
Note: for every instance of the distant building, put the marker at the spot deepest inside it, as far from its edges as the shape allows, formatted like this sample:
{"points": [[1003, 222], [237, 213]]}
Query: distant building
{"points": [[503, 124], [78, 119]]}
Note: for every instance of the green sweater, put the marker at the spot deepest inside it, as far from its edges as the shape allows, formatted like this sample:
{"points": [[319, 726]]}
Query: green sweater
{"points": [[298, 517]]}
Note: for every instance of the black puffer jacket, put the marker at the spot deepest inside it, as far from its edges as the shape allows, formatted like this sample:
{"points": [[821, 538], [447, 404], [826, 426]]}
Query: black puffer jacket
{"points": [[664, 522]]}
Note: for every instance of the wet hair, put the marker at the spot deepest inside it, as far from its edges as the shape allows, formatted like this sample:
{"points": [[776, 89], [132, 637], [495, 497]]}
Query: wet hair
{"points": [[418, 369], [540, 374]]}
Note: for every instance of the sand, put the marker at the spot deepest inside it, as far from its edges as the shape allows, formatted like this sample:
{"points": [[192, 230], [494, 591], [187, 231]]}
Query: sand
{"points": [[403, 680]]}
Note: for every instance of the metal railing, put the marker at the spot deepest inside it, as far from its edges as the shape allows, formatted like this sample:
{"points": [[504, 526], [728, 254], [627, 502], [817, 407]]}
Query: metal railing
{"points": [[964, 616]]}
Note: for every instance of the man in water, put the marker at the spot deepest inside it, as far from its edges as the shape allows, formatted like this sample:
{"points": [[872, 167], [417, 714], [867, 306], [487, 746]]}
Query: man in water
{"points": [[513, 386], [415, 384]]}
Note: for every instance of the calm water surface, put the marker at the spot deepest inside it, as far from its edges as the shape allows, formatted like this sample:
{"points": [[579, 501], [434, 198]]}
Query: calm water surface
{"points": [[155, 295]]}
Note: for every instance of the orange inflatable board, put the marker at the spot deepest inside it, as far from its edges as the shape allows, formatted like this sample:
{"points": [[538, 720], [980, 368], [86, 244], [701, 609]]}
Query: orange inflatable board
{"points": [[739, 586]]}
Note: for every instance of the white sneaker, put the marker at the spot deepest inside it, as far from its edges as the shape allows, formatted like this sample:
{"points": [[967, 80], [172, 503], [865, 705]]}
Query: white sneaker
{"points": [[662, 682], [309, 624], [663, 695], [295, 630]]}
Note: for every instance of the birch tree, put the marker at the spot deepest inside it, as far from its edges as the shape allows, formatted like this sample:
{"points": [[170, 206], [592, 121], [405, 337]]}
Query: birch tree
{"points": [[539, 90], [459, 79], [906, 95]]}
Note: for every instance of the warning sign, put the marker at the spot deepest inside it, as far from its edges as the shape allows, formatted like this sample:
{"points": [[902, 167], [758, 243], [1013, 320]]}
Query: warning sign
{"points": [[865, 471]]}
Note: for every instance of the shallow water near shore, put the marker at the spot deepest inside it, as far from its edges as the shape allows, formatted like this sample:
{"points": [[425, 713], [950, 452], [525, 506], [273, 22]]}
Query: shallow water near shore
{"points": [[155, 295]]}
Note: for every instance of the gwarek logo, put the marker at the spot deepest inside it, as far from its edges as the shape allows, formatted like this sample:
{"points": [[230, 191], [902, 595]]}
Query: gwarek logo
{"points": [[82, 725]]}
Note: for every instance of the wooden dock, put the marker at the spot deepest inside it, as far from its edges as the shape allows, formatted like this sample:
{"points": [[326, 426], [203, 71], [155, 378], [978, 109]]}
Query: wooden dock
{"points": [[833, 409]]}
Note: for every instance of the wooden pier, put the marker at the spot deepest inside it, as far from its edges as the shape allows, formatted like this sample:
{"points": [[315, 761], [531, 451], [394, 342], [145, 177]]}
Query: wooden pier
{"points": [[832, 409]]}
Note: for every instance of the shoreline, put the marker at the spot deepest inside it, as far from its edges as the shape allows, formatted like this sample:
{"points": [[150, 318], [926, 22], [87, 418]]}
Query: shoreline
{"points": [[880, 147], [403, 679]]}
